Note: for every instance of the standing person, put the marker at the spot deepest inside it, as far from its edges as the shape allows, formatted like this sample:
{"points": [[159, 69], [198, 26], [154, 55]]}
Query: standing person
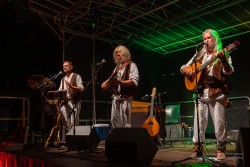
{"points": [[123, 83], [72, 84], [213, 90]]}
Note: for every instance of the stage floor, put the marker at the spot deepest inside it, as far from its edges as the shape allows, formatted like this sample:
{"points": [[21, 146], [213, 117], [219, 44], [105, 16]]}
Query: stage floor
{"points": [[165, 156]]}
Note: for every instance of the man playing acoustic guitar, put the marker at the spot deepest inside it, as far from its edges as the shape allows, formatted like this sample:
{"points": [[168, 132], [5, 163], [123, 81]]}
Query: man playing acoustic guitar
{"points": [[212, 87], [123, 84]]}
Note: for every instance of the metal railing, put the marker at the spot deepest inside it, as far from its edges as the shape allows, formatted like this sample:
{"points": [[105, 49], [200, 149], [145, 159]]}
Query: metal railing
{"points": [[87, 121], [24, 118], [190, 106]]}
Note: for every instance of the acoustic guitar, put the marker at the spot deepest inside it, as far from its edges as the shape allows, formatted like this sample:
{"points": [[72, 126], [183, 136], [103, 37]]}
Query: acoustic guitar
{"points": [[151, 123], [190, 81], [112, 85]]}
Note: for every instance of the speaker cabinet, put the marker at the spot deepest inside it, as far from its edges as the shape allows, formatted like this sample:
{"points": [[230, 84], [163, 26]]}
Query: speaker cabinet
{"points": [[130, 146], [243, 147], [84, 137]]}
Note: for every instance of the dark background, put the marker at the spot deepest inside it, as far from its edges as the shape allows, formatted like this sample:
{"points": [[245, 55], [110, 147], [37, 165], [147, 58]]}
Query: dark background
{"points": [[29, 48]]}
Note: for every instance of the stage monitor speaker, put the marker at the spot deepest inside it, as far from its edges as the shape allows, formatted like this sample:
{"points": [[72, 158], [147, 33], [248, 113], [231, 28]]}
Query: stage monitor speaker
{"points": [[85, 137], [130, 146], [243, 147]]}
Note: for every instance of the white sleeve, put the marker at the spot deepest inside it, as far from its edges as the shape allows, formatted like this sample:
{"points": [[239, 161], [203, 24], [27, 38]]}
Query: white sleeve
{"points": [[188, 63], [134, 73], [79, 82]]}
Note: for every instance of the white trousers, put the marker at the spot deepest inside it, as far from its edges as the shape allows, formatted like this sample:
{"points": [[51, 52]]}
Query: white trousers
{"points": [[217, 109], [71, 113], [121, 113]]}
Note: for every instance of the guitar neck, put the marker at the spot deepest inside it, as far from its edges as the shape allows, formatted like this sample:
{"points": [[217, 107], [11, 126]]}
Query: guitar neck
{"points": [[151, 108], [203, 66]]}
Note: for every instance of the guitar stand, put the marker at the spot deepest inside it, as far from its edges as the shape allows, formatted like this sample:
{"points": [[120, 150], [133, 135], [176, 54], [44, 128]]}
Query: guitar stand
{"points": [[159, 139]]}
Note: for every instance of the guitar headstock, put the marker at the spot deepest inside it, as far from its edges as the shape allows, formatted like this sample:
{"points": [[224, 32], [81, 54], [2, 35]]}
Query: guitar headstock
{"points": [[232, 46], [153, 92]]}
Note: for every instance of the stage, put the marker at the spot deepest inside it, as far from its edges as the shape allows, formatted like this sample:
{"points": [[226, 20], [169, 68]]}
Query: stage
{"points": [[169, 154]]}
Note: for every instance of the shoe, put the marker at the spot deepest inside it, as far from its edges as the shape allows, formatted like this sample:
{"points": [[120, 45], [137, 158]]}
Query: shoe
{"points": [[220, 155], [221, 149], [195, 150], [194, 154]]}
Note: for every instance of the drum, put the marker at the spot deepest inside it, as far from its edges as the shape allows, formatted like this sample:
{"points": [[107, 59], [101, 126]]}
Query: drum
{"points": [[102, 130], [56, 95]]}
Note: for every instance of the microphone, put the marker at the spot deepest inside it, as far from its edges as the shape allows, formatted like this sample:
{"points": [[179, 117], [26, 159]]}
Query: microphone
{"points": [[101, 62], [57, 75], [161, 93], [145, 97]]}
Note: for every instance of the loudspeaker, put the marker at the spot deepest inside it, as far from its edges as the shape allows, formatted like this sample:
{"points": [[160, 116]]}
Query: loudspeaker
{"points": [[85, 137], [130, 146], [243, 147]]}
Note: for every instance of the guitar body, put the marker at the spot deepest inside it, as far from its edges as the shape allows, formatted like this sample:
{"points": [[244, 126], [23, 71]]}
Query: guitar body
{"points": [[152, 126], [151, 123], [112, 85], [190, 81]]}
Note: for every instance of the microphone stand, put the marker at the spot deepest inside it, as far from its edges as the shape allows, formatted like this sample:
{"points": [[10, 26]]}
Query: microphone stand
{"points": [[45, 82], [93, 79], [74, 126], [196, 97]]}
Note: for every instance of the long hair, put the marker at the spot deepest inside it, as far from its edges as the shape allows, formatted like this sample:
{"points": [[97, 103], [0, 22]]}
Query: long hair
{"points": [[124, 51], [216, 39]]}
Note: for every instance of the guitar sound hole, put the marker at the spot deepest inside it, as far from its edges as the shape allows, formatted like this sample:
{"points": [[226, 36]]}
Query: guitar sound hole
{"points": [[150, 123]]}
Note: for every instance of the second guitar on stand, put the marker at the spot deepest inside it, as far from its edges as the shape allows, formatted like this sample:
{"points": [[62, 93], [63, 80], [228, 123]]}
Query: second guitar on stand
{"points": [[151, 123]]}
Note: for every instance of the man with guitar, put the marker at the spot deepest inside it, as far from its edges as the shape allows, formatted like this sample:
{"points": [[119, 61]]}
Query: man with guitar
{"points": [[213, 67], [123, 84]]}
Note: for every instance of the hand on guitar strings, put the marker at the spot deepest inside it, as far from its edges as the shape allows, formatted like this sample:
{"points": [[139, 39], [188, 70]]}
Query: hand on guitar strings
{"points": [[188, 71], [110, 83], [115, 82]]}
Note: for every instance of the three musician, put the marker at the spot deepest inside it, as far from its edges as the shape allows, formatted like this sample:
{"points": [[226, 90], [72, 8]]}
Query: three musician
{"points": [[124, 80]]}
